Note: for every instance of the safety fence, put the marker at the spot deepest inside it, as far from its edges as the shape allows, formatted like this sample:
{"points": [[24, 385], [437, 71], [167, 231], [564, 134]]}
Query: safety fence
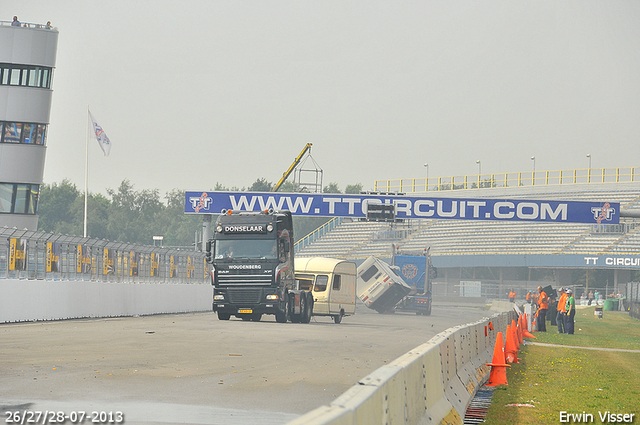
{"points": [[32, 255], [633, 299], [431, 384], [528, 178]]}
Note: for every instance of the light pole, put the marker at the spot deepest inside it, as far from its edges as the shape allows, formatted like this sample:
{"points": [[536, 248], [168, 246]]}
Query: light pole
{"points": [[589, 171], [479, 166], [426, 182], [533, 174]]}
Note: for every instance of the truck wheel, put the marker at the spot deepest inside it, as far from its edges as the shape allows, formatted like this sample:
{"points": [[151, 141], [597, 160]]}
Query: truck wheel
{"points": [[297, 318], [427, 312], [338, 317], [281, 315], [308, 308], [223, 316], [256, 317]]}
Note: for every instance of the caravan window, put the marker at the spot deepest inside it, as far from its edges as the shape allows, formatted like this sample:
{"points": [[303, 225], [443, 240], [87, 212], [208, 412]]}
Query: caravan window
{"points": [[321, 283], [305, 281], [336, 282], [371, 271]]}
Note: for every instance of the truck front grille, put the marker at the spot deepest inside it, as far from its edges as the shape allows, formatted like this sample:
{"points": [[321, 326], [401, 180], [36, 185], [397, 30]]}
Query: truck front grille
{"points": [[239, 279], [244, 296]]}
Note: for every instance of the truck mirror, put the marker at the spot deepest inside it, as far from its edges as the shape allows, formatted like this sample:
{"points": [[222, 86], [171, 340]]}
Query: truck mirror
{"points": [[286, 246], [208, 251]]}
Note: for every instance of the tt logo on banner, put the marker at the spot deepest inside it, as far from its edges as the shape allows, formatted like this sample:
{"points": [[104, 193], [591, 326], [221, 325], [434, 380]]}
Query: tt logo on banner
{"points": [[201, 203]]}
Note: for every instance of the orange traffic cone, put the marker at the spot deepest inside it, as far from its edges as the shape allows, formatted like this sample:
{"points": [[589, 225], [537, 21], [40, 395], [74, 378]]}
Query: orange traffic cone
{"points": [[527, 334], [510, 350], [516, 339], [519, 329], [498, 374], [525, 330]]}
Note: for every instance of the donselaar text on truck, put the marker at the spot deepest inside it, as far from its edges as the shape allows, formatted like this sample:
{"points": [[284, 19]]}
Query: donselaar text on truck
{"points": [[253, 267]]}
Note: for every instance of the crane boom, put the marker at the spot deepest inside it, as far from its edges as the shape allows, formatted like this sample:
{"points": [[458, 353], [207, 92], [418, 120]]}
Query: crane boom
{"points": [[295, 163]]}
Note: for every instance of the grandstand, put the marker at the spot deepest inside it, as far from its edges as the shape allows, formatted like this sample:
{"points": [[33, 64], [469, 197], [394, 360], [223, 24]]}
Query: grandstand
{"points": [[455, 244], [359, 239]]}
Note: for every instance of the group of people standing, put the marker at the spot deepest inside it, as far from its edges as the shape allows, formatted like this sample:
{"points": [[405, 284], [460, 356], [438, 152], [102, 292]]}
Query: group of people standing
{"points": [[17, 23], [565, 309]]}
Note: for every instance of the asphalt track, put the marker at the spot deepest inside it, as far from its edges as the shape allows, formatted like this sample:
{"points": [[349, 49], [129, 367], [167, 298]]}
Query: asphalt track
{"points": [[195, 369]]}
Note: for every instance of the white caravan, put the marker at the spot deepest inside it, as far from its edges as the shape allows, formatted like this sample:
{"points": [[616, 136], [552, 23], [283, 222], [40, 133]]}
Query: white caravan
{"points": [[333, 282]]}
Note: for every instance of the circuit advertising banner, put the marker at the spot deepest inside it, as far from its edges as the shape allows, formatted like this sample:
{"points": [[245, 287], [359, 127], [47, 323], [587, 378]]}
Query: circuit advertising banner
{"points": [[53, 256], [134, 259], [155, 264], [83, 259], [108, 265], [406, 207], [17, 254]]}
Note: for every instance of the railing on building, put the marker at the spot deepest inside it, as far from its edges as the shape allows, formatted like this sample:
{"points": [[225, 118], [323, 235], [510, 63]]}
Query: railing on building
{"points": [[318, 233], [27, 25], [33, 255], [537, 178]]}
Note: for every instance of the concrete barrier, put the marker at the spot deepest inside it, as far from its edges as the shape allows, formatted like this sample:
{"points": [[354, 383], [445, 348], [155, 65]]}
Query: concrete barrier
{"points": [[431, 384], [30, 300]]}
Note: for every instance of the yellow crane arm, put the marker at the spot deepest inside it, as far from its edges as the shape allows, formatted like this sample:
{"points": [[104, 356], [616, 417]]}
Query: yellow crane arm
{"points": [[292, 167]]}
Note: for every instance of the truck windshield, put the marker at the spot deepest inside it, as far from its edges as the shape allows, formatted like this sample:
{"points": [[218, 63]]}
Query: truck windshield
{"points": [[246, 248]]}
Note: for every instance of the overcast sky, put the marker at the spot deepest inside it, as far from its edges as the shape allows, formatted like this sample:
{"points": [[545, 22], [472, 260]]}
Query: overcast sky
{"points": [[197, 92]]}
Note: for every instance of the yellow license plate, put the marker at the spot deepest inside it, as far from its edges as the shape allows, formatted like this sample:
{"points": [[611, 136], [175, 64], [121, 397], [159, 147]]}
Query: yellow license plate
{"points": [[245, 311]]}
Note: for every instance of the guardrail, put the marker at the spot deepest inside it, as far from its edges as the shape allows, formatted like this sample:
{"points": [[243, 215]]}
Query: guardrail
{"points": [[516, 179], [431, 384], [33, 255]]}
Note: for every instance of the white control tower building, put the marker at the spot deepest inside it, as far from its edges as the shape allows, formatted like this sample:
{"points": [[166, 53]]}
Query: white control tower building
{"points": [[27, 61]]}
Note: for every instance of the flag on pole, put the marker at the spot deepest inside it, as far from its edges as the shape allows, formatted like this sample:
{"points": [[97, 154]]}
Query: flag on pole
{"points": [[101, 136]]}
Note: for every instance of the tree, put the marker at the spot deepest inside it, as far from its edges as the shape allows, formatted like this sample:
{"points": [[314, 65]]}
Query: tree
{"points": [[353, 188], [177, 227], [132, 215], [260, 185], [288, 186], [331, 188], [302, 225], [56, 207]]}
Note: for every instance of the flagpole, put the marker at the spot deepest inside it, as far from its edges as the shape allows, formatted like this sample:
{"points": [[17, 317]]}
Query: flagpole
{"points": [[86, 175]]}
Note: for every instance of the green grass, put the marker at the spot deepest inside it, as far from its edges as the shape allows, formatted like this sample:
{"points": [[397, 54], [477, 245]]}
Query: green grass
{"points": [[556, 379]]}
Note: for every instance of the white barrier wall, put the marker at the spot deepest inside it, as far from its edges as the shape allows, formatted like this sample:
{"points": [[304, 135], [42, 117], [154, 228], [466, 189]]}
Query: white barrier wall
{"points": [[432, 384], [29, 300]]}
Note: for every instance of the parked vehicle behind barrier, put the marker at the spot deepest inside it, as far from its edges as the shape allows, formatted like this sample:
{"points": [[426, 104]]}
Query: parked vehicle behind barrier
{"points": [[333, 285], [417, 271], [380, 287]]}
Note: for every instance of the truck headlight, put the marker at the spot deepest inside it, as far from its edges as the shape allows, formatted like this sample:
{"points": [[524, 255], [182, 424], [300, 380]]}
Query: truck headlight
{"points": [[272, 297], [218, 297]]}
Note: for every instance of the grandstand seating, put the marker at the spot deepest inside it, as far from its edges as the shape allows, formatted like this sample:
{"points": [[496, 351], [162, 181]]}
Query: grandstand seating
{"points": [[358, 239]]}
